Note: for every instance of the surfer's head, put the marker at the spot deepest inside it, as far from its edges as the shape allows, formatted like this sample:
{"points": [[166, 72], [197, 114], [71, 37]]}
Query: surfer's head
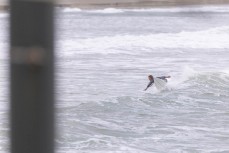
{"points": [[150, 77]]}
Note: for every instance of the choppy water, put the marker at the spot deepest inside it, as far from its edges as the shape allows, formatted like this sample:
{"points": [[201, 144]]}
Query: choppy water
{"points": [[103, 58]]}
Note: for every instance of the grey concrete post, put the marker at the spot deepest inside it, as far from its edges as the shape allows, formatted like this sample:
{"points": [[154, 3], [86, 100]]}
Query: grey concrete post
{"points": [[31, 76]]}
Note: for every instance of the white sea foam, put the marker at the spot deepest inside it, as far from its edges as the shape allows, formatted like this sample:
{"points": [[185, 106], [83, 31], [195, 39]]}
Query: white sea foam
{"points": [[215, 82], [226, 71], [197, 9], [67, 9], [3, 15], [207, 9], [107, 11], [207, 39], [177, 80], [102, 11]]}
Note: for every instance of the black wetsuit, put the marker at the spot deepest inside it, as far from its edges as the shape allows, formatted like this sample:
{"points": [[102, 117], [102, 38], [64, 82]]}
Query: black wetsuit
{"points": [[151, 82]]}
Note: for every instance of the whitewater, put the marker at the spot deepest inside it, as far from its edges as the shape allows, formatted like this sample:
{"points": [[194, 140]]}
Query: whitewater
{"points": [[103, 58]]}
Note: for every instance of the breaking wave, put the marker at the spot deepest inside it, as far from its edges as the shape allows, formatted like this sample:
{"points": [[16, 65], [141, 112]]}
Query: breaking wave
{"points": [[207, 39], [188, 9]]}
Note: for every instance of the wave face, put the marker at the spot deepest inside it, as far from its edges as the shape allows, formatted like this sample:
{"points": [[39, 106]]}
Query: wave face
{"points": [[103, 58]]}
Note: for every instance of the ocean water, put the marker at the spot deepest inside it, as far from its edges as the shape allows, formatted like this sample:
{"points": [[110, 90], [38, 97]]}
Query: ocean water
{"points": [[103, 58]]}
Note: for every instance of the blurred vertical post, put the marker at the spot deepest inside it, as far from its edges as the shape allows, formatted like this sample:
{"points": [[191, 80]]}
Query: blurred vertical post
{"points": [[32, 76]]}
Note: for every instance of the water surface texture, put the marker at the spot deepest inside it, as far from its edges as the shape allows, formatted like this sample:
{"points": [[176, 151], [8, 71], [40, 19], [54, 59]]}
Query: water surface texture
{"points": [[103, 58]]}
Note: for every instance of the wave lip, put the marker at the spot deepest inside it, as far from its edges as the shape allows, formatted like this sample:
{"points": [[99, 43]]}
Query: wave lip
{"points": [[213, 83]]}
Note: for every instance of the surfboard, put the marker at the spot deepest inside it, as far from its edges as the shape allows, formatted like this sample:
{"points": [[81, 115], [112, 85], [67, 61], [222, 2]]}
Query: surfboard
{"points": [[159, 83]]}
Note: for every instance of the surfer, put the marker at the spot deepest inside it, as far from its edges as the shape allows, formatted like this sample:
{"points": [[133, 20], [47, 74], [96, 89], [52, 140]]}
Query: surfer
{"points": [[151, 79]]}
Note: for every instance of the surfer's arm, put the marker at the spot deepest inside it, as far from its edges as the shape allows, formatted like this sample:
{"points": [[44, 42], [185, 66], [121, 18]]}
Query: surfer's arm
{"points": [[149, 85], [164, 77]]}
